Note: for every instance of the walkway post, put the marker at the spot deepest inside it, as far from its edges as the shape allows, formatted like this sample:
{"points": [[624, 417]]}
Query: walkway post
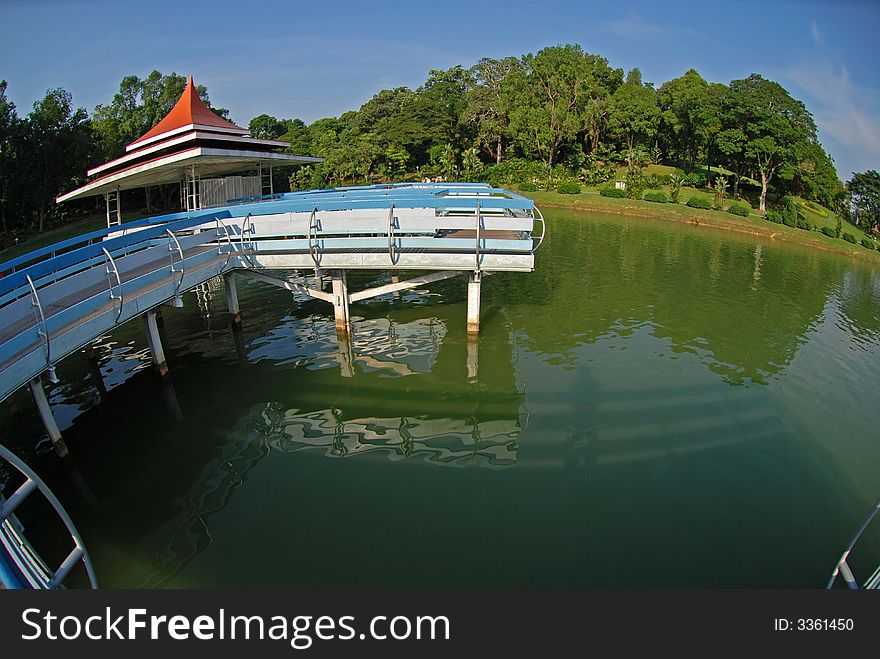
{"points": [[151, 329], [340, 302], [473, 303], [47, 417], [232, 297]]}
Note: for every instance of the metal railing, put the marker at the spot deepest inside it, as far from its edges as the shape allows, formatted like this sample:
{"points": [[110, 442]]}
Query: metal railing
{"points": [[843, 569], [20, 564]]}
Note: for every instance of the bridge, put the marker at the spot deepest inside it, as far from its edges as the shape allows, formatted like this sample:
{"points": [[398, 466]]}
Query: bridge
{"points": [[58, 299]]}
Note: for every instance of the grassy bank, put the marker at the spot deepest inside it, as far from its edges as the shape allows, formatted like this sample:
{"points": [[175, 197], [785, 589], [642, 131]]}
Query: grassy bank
{"points": [[754, 224]]}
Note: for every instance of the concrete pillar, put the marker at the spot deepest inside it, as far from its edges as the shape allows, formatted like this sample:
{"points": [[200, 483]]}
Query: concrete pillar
{"points": [[319, 279], [47, 417], [232, 297], [395, 280], [151, 329], [340, 302], [473, 303]]}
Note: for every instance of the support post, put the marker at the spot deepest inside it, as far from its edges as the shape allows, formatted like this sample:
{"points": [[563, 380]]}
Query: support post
{"points": [[151, 328], [473, 303], [395, 279], [47, 417], [232, 297], [340, 302], [319, 279], [473, 357]]}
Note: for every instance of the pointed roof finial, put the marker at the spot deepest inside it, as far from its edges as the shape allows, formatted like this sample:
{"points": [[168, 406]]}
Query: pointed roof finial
{"points": [[190, 110]]}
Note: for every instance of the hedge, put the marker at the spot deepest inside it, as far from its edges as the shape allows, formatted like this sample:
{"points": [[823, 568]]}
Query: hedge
{"points": [[699, 202], [568, 187], [612, 192], [738, 209], [656, 196]]}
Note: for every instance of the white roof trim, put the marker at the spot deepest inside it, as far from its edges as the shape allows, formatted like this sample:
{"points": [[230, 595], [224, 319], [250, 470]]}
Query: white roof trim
{"points": [[176, 131], [181, 159], [180, 140]]}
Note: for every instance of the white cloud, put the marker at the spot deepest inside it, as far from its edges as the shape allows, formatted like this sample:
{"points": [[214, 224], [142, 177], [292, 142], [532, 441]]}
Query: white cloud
{"points": [[816, 33]]}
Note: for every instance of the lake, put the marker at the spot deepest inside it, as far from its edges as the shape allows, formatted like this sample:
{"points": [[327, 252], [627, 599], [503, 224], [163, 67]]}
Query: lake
{"points": [[657, 405]]}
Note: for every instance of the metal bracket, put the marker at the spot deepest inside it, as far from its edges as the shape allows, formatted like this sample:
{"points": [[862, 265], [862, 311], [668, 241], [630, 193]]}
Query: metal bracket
{"points": [[313, 243], [225, 234], [43, 330], [392, 253], [182, 270], [111, 267], [539, 217]]}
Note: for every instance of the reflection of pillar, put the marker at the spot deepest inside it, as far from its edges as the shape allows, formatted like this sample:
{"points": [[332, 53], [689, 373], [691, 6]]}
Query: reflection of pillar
{"points": [[238, 340], [169, 395], [46, 415], [473, 303], [155, 342], [80, 483], [95, 371], [345, 355], [340, 302], [473, 357], [232, 297]]}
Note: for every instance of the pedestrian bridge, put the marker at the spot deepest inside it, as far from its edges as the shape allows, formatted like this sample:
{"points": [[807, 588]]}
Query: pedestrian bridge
{"points": [[57, 299]]}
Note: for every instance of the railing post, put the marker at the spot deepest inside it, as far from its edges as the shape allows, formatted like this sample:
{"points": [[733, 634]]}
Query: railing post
{"points": [[473, 303], [47, 417]]}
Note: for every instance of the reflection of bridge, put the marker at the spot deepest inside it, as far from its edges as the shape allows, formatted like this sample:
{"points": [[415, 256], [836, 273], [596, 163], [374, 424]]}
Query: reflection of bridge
{"points": [[55, 300]]}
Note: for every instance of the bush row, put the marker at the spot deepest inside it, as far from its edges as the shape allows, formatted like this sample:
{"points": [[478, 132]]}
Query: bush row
{"points": [[612, 192]]}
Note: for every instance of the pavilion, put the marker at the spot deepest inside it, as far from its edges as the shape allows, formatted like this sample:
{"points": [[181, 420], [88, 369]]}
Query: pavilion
{"points": [[197, 148]]}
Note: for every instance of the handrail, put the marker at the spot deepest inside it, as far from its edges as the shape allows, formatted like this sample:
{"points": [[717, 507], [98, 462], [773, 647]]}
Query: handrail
{"points": [[313, 226], [477, 250], [540, 217], [842, 566], [221, 223], [182, 260], [391, 251], [115, 271], [44, 332], [33, 482], [246, 228]]}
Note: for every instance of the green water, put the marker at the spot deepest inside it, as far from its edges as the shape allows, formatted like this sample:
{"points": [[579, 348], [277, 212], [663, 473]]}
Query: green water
{"points": [[656, 405]]}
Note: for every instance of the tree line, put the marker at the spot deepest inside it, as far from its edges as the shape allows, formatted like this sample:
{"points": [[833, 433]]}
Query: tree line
{"points": [[561, 112]]}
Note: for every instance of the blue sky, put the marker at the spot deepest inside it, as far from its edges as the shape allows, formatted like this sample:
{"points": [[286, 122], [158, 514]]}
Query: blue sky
{"points": [[317, 59]]}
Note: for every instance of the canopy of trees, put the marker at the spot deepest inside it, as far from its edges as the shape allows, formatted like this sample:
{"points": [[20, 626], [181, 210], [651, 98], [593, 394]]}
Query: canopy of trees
{"points": [[560, 109]]}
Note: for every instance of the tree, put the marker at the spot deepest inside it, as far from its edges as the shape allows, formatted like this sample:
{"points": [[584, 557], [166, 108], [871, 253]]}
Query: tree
{"points": [[471, 165], [549, 95], [683, 101], [775, 126], [634, 112], [10, 138], [266, 127], [864, 187], [487, 109], [58, 138]]}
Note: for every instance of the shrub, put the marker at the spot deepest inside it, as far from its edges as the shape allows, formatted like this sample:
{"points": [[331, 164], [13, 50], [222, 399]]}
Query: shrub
{"points": [[510, 171], [828, 231], [612, 192], [867, 243], [568, 187], [652, 181], [773, 216], [527, 186], [656, 196], [848, 237], [738, 209], [696, 180], [699, 202], [803, 224]]}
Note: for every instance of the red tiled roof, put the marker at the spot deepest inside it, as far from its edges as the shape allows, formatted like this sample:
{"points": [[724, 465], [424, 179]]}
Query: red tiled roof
{"points": [[190, 109]]}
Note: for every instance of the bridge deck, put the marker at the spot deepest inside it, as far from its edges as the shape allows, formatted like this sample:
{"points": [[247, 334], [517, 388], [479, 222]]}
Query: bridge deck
{"points": [[57, 299]]}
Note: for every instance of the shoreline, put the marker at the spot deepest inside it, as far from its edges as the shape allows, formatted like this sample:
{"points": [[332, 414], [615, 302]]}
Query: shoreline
{"points": [[706, 219]]}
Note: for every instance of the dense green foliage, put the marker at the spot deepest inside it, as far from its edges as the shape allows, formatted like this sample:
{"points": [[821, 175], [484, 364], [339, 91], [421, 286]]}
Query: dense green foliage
{"points": [[568, 187], [864, 189], [738, 209], [556, 116], [848, 237], [699, 202], [612, 192], [868, 243], [656, 196]]}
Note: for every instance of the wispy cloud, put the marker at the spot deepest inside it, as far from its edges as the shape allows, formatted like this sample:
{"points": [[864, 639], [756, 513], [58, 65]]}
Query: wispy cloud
{"points": [[816, 33], [638, 28], [844, 110]]}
